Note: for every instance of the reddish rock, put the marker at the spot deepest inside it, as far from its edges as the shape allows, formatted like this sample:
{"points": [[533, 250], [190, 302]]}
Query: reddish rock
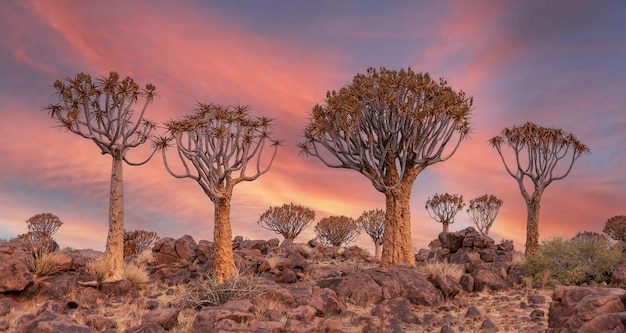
{"points": [[486, 279], [146, 328], [449, 288], [118, 288], [166, 318], [360, 288], [326, 302], [14, 275], [100, 323], [51, 322], [407, 283], [395, 309], [586, 309], [238, 311], [185, 248], [304, 313]]}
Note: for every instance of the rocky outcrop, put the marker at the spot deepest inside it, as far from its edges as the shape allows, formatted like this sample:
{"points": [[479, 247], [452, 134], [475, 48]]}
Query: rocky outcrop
{"points": [[586, 309], [488, 264]]}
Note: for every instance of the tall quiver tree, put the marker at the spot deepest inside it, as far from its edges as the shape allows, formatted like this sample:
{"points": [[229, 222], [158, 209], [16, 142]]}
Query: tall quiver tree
{"points": [[103, 110], [443, 208], [389, 126], [483, 211], [222, 144], [373, 223], [537, 152]]}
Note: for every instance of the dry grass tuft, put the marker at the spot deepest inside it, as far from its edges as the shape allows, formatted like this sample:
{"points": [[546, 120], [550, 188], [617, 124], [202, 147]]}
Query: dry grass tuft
{"points": [[136, 274], [145, 257], [44, 263], [97, 267], [432, 269], [206, 291]]}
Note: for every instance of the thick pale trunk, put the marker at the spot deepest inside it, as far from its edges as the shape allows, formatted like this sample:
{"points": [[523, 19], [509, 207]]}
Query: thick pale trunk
{"points": [[397, 244], [532, 226], [114, 253], [224, 266]]}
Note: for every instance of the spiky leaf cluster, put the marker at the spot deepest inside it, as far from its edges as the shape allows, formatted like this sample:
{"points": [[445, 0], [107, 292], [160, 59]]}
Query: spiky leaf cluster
{"points": [[443, 207], [337, 230], [288, 220], [537, 151], [220, 143], [483, 211], [103, 110], [386, 123]]}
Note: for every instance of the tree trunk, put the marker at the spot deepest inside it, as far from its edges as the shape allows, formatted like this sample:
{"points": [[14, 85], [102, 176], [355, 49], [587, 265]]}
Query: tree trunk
{"points": [[446, 227], [397, 244], [377, 250], [224, 266], [114, 253], [532, 225]]}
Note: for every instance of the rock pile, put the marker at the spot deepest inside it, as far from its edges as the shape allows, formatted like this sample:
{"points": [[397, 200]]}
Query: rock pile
{"points": [[487, 265], [298, 288]]}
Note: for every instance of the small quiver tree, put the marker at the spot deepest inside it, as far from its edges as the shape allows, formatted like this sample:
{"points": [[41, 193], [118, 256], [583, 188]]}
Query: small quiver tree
{"points": [[443, 207], [615, 228], [373, 223], [44, 225], [103, 111], [136, 241], [483, 211], [536, 153], [389, 126], [221, 144], [337, 230], [287, 220]]}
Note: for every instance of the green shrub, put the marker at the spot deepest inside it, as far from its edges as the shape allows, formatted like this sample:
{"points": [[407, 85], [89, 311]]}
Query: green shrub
{"points": [[573, 262]]}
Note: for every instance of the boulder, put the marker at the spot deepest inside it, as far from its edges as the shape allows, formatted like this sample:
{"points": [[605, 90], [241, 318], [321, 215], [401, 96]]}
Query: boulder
{"points": [[486, 279], [396, 309], [52, 322], [166, 318], [14, 275], [587, 309], [185, 248]]}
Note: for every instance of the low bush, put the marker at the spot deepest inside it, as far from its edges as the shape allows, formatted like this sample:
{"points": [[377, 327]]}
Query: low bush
{"points": [[573, 262]]}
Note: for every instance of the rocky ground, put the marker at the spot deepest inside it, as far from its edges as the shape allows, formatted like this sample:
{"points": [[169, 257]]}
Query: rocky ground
{"points": [[300, 288]]}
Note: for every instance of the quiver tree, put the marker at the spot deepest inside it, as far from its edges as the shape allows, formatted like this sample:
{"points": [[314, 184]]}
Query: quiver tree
{"points": [[443, 207], [389, 126], [135, 241], [373, 223], [615, 228], [483, 211], [337, 230], [222, 144], [287, 220], [537, 152], [43, 226], [104, 111]]}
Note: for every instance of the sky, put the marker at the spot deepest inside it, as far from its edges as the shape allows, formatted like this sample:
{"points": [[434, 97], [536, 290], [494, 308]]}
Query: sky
{"points": [[557, 64]]}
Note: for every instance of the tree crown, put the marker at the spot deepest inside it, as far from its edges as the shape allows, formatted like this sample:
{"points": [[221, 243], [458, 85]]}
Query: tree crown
{"points": [[443, 207], [287, 220], [102, 110], [386, 123], [219, 141], [44, 225], [337, 230]]}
